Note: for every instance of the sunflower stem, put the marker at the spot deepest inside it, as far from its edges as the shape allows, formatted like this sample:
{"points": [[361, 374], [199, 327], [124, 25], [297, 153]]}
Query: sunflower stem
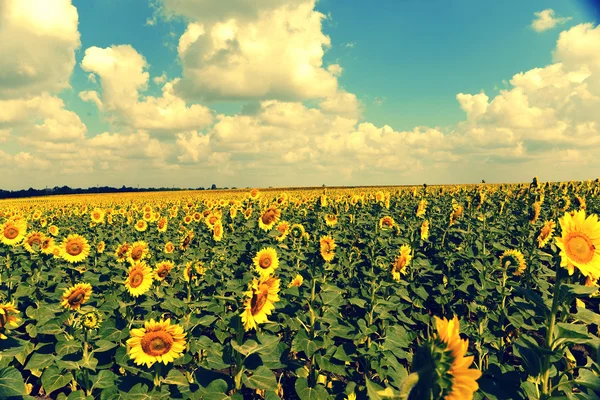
{"points": [[157, 373], [546, 387]]}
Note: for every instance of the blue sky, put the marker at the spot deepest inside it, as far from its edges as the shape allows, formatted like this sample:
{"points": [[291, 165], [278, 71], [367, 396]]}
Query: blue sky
{"points": [[402, 64]]}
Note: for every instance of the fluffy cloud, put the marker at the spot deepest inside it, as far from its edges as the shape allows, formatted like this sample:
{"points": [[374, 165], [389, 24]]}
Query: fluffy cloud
{"points": [[545, 20], [276, 55], [38, 39], [123, 75]]}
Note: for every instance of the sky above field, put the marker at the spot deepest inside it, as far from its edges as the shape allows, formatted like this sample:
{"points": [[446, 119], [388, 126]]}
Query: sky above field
{"points": [[258, 93]]}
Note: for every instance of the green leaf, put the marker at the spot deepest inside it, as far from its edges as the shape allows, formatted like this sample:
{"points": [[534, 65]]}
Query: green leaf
{"points": [[377, 392], [588, 379], [305, 392], [175, 377], [578, 290], [69, 347], [571, 333], [39, 361], [250, 346], [53, 379], [104, 379], [104, 345], [11, 383], [261, 378]]}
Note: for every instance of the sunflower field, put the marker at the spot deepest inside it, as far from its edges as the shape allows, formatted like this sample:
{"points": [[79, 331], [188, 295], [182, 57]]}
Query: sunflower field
{"points": [[439, 292]]}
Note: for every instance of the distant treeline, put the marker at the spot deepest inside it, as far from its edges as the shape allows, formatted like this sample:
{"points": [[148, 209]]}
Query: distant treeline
{"points": [[31, 192]]}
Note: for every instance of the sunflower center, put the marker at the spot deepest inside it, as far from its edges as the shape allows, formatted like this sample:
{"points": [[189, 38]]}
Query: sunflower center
{"points": [[163, 272], [400, 264], [3, 319], [579, 247], [11, 232], [136, 253], [74, 248], [265, 261], [268, 217], [258, 302], [96, 215], [136, 278], [35, 240], [157, 343], [76, 298]]}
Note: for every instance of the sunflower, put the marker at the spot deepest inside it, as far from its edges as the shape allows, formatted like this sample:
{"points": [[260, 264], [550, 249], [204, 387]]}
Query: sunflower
{"points": [[386, 223], [297, 231], [75, 248], [248, 212], [139, 279], [97, 215], [162, 224], [192, 270], [157, 341], [580, 243], [425, 230], [327, 248], [53, 230], [534, 213], [13, 231], [254, 194], [284, 229], [456, 213], [137, 252], [218, 231], [169, 247], [47, 246], [331, 219], [91, 320], [8, 317], [141, 225], [100, 247], [421, 208], [76, 295], [259, 304], [232, 212], [324, 201], [162, 269], [186, 240], [401, 263], [122, 251], [297, 281], [514, 258], [546, 233], [463, 380], [266, 261], [269, 218], [33, 241]]}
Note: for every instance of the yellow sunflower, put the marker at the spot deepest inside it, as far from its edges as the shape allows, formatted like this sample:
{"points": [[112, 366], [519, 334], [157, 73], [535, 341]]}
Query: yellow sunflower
{"points": [[141, 225], [137, 252], [580, 243], [47, 245], [425, 230], [75, 248], [297, 281], [464, 380], [169, 247], [192, 270], [139, 279], [100, 247], [254, 194], [514, 258], [266, 261], [331, 219], [76, 295], [53, 230], [8, 318], [157, 341], [97, 215], [33, 241], [269, 218], [284, 229], [546, 233], [260, 300], [13, 231], [297, 231], [186, 240], [534, 213], [327, 248], [122, 251], [162, 269], [386, 222], [401, 263], [91, 320], [218, 231], [162, 224], [421, 208]]}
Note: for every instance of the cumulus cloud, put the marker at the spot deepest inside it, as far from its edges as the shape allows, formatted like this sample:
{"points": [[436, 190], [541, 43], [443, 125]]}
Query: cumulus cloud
{"points": [[123, 75], [278, 54], [38, 39], [545, 20]]}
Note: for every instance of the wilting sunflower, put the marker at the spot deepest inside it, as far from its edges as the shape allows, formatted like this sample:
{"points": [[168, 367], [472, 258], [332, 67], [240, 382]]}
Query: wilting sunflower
{"points": [[33, 241], [76, 295], [141, 225], [122, 251], [259, 304], [157, 341], [75, 248], [8, 318], [162, 269], [580, 243], [297, 281], [386, 223], [13, 231], [514, 258], [139, 279], [218, 231], [546, 233], [169, 247], [97, 215], [425, 230], [463, 380], [266, 261], [269, 218], [401, 263], [137, 252], [331, 219], [327, 248]]}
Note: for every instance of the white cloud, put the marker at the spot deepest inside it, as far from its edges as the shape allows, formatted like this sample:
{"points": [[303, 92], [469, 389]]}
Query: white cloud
{"points": [[123, 75], [38, 39], [545, 20], [160, 79]]}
